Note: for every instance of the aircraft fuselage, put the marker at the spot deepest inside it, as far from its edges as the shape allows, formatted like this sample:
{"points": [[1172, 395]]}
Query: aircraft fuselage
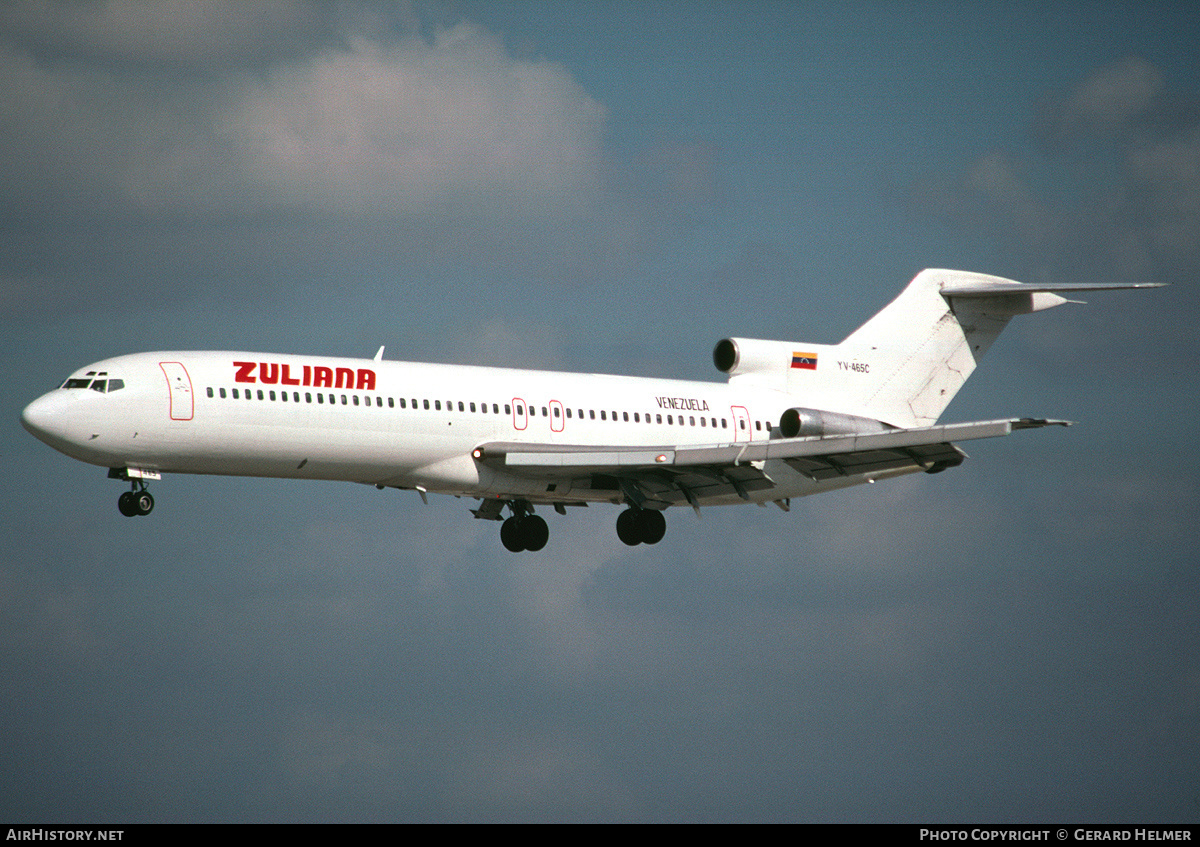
{"points": [[385, 423]]}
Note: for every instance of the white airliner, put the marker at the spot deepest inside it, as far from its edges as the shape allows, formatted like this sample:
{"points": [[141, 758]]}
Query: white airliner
{"points": [[793, 418]]}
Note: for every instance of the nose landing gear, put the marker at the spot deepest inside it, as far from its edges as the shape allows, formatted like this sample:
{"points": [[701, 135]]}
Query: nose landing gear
{"points": [[136, 502]]}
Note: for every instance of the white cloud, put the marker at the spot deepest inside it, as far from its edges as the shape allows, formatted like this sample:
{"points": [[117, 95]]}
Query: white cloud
{"points": [[1110, 101], [421, 126], [1165, 176], [174, 32], [451, 125], [1120, 200]]}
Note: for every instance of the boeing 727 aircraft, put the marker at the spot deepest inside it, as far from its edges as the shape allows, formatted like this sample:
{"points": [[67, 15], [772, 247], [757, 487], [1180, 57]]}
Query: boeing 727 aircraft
{"points": [[792, 419]]}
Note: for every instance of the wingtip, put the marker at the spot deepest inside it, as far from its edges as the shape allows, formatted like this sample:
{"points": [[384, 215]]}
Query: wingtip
{"points": [[1034, 423]]}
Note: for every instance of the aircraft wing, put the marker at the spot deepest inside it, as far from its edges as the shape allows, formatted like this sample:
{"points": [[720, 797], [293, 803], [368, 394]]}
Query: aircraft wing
{"points": [[668, 475]]}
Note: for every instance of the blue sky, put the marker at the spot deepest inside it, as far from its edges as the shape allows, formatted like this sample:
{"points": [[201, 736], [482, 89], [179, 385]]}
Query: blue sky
{"points": [[606, 187]]}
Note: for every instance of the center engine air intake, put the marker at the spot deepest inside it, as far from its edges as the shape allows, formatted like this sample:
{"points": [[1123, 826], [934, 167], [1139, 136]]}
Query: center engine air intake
{"points": [[741, 356], [801, 423]]}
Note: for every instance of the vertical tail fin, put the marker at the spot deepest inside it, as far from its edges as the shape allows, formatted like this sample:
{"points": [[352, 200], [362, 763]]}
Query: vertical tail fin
{"points": [[904, 365], [921, 348]]}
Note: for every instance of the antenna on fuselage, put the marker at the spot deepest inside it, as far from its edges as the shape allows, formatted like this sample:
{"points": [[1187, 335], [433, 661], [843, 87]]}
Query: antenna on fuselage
{"points": [[379, 355]]}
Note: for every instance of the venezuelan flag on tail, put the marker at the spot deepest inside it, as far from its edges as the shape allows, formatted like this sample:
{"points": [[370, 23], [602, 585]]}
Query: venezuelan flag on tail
{"points": [[804, 361]]}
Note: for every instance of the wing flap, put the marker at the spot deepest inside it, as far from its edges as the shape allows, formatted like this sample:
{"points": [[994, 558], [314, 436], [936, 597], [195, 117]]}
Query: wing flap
{"points": [[670, 472], [930, 457]]}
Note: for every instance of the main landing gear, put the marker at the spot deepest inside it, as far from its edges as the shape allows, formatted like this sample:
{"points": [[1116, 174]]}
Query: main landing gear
{"points": [[136, 501], [527, 531], [524, 532], [641, 526]]}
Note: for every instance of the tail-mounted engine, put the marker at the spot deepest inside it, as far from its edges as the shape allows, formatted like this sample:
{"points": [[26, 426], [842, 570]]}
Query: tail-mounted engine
{"points": [[753, 359], [742, 356], [801, 423]]}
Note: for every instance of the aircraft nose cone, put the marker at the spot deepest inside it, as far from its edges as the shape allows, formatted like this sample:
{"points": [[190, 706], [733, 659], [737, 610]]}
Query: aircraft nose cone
{"points": [[43, 418], [34, 417]]}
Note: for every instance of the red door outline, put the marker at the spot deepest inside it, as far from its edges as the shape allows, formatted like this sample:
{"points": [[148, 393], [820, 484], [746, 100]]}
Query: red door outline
{"points": [[741, 416], [179, 389]]}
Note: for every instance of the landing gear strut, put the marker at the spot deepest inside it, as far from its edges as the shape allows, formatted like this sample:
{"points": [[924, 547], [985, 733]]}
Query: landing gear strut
{"points": [[524, 530], [136, 501], [641, 526]]}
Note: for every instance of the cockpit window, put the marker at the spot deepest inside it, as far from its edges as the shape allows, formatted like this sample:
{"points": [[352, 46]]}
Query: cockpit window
{"points": [[104, 386]]}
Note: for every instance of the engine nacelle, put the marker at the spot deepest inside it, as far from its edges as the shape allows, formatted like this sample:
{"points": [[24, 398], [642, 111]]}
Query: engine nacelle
{"points": [[801, 423], [739, 356]]}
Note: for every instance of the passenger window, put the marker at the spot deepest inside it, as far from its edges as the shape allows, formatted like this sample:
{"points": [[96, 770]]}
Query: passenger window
{"points": [[603, 415], [272, 395], [295, 396], [472, 405], [392, 402], [222, 392], [307, 397], [320, 398], [507, 409], [260, 394], [461, 407], [210, 391]]}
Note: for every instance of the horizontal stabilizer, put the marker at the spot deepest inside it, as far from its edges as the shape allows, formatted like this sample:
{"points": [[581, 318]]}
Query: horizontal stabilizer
{"points": [[993, 288]]}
